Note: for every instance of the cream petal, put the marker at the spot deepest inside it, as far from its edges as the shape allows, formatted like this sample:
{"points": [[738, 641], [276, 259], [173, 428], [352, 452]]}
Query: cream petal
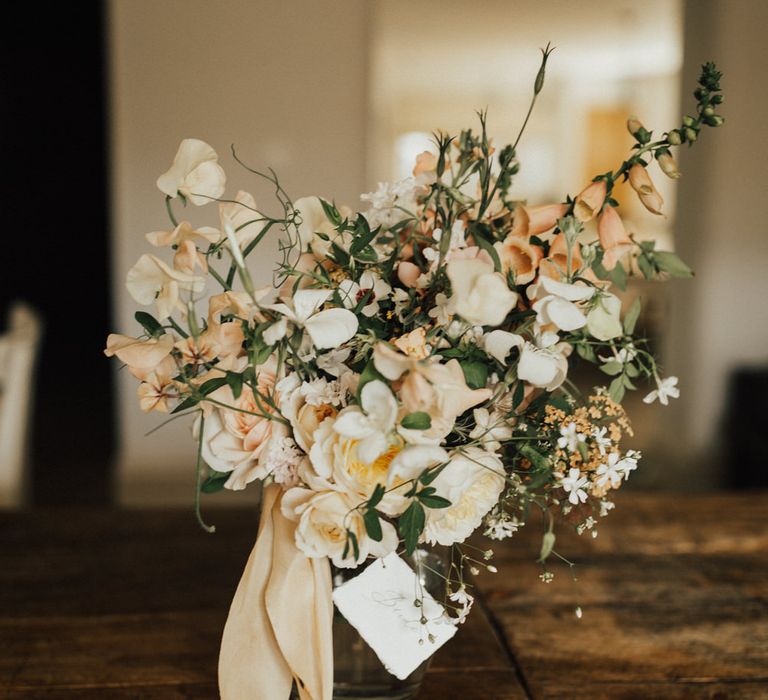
{"points": [[499, 343], [307, 301], [379, 403], [331, 328]]}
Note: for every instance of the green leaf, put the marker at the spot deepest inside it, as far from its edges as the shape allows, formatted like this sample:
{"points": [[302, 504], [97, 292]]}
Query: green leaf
{"points": [[376, 496], [630, 319], [617, 389], [646, 267], [331, 212], [428, 476], [373, 524], [418, 420], [612, 368], [433, 501], [214, 483], [364, 235], [536, 458], [672, 264], [189, 402], [518, 395], [475, 374], [411, 525], [149, 323], [235, 382], [339, 254], [582, 448], [586, 352], [351, 541], [619, 276], [211, 385], [488, 248], [547, 545]]}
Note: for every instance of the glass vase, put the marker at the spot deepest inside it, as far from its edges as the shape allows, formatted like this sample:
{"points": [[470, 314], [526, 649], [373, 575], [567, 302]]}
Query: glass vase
{"points": [[357, 673]]}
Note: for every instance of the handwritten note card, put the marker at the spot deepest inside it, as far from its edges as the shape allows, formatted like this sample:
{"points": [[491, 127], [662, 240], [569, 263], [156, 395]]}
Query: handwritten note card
{"points": [[380, 605]]}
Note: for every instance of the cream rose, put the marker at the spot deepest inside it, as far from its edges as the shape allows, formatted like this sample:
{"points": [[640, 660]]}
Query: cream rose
{"points": [[233, 440], [472, 481], [323, 520]]}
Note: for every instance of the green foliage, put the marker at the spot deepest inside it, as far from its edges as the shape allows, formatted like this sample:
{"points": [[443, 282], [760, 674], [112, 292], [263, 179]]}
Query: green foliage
{"points": [[417, 421], [149, 324], [411, 525]]}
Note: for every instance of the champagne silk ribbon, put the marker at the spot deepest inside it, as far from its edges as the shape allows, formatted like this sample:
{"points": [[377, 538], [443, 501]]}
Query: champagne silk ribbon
{"points": [[279, 624]]}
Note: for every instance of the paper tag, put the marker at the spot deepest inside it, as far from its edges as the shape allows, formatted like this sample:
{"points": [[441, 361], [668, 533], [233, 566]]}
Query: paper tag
{"points": [[379, 604]]}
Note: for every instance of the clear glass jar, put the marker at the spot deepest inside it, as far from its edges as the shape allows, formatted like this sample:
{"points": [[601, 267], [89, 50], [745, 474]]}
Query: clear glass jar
{"points": [[357, 672]]}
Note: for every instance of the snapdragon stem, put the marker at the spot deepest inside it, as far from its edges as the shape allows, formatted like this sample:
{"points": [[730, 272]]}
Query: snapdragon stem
{"points": [[198, 480]]}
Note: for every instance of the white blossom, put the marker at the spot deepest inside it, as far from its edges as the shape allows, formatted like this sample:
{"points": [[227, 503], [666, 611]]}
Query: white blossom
{"points": [[665, 388], [573, 485], [571, 437]]}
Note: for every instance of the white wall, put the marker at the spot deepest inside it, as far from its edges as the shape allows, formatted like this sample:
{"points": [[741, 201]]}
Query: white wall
{"points": [[286, 83], [720, 319]]}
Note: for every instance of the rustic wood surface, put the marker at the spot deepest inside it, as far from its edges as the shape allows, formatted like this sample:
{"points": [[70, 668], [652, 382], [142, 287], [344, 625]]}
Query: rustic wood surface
{"points": [[130, 604]]}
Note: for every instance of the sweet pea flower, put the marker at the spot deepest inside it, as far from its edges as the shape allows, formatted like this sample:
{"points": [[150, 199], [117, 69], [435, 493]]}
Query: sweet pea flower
{"points": [[372, 422], [499, 343], [185, 239], [327, 329], [642, 184], [480, 295], [589, 201], [151, 280], [241, 214], [613, 237], [544, 368], [195, 173], [142, 356], [556, 304]]}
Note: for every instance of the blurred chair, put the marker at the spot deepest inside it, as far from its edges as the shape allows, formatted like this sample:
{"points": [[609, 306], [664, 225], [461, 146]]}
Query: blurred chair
{"points": [[18, 352]]}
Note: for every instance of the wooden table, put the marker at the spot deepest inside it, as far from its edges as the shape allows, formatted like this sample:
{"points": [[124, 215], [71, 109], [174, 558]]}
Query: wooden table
{"points": [[130, 604]]}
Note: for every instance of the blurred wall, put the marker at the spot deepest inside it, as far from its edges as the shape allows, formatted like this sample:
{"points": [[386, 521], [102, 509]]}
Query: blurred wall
{"points": [[283, 81], [719, 320]]}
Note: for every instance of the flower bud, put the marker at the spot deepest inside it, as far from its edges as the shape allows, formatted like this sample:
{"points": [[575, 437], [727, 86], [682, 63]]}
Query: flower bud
{"points": [[613, 237], [589, 201], [667, 163], [688, 120], [690, 135], [708, 111], [714, 120], [646, 191], [674, 138], [634, 125]]}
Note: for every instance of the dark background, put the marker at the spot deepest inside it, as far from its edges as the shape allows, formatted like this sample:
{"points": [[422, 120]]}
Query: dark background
{"points": [[56, 242]]}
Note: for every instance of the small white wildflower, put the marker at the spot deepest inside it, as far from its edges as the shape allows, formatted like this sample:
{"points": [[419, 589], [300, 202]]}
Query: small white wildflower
{"points": [[491, 429], [665, 388], [570, 437], [464, 600], [547, 577], [610, 472], [573, 485], [440, 311], [499, 525], [606, 507], [388, 200], [598, 435]]}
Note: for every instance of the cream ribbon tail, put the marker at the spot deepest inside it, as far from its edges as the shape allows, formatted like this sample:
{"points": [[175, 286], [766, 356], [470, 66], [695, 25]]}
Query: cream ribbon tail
{"points": [[279, 627]]}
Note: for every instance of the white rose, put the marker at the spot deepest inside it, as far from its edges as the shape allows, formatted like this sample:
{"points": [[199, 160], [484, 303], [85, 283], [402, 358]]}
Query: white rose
{"points": [[304, 418], [195, 173], [479, 295], [323, 520], [604, 321], [334, 463], [472, 482]]}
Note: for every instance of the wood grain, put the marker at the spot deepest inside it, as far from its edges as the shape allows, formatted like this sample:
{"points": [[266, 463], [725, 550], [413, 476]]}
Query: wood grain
{"points": [[130, 604]]}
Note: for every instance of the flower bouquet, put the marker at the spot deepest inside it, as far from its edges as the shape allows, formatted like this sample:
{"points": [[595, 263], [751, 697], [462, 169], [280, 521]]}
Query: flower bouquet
{"points": [[402, 383]]}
